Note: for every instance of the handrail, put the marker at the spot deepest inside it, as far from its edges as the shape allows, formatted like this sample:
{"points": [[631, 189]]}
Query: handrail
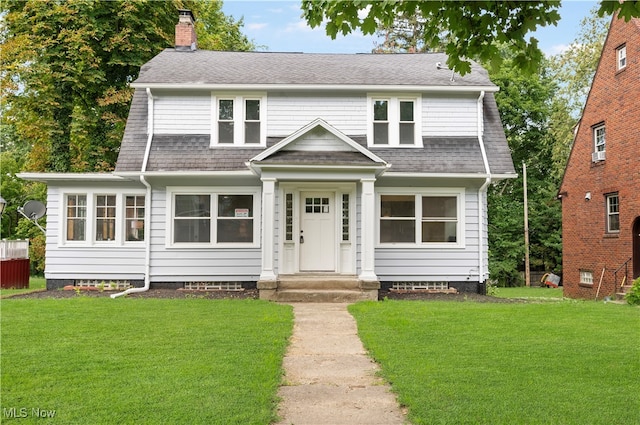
{"points": [[626, 272]]}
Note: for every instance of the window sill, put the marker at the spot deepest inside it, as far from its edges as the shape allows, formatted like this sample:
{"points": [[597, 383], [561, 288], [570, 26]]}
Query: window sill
{"points": [[611, 235], [621, 70], [585, 285]]}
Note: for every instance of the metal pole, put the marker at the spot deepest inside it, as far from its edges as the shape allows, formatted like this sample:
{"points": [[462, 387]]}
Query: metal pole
{"points": [[527, 273]]}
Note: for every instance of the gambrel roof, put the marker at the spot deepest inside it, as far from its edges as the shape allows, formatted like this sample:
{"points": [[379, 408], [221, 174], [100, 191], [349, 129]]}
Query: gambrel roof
{"points": [[206, 70]]}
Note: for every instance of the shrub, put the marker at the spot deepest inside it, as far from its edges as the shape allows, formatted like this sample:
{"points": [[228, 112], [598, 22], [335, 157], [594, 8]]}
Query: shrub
{"points": [[633, 296]]}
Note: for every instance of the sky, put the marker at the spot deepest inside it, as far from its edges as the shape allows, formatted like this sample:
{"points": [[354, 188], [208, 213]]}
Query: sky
{"points": [[277, 26]]}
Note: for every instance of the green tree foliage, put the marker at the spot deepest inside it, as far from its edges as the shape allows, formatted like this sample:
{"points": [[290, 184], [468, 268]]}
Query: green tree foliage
{"points": [[65, 71], [475, 29], [67, 65], [574, 69], [525, 104]]}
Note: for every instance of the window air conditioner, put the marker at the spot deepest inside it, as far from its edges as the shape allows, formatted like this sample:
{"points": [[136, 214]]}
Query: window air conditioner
{"points": [[598, 156]]}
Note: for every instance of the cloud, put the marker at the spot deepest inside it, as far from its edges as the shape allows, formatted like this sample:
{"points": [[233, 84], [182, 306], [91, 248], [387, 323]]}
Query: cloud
{"points": [[257, 26]]}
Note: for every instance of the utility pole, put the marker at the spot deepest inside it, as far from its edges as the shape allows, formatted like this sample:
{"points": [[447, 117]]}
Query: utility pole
{"points": [[527, 273]]}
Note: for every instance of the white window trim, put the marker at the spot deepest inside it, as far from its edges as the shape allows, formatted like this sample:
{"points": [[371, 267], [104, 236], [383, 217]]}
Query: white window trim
{"points": [[586, 277], [238, 117], [91, 217], [608, 199], [393, 118], [213, 192], [595, 138], [621, 54], [459, 193]]}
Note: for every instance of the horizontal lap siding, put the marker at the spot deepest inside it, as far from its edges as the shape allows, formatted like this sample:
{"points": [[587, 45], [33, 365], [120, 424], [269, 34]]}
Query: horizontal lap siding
{"points": [[196, 264], [186, 114], [87, 262], [434, 264], [287, 114], [450, 116]]}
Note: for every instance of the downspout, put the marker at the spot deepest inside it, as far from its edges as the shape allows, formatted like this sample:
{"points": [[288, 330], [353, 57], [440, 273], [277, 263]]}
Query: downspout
{"points": [[483, 188], [147, 210]]}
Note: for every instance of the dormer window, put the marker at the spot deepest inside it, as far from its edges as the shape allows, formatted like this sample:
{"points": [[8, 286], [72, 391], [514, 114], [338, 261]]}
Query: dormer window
{"points": [[394, 121], [621, 56], [238, 120]]}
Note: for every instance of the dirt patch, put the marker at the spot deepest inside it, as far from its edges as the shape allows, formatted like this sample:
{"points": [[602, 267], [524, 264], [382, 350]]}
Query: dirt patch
{"points": [[435, 296], [151, 293], [253, 294]]}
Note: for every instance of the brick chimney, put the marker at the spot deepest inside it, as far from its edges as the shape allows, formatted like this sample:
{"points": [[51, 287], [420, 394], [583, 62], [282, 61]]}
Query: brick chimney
{"points": [[186, 31]]}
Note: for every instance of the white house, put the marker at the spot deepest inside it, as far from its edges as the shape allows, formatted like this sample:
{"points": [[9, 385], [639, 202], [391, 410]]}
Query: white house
{"points": [[240, 169]]}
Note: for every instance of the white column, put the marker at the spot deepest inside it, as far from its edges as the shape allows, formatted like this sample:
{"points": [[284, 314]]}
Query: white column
{"points": [[367, 232], [268, 224]]}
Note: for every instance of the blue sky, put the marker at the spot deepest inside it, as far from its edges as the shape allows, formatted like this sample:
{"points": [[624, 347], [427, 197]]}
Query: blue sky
{"points": [[278, 26]]}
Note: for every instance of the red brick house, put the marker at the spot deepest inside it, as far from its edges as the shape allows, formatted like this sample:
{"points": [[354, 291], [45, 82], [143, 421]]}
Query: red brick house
{"points": [[600, 191]]}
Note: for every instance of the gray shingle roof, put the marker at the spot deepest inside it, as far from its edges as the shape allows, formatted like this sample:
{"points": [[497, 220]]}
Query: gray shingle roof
{"points": [[193, 153], [212, 67]]}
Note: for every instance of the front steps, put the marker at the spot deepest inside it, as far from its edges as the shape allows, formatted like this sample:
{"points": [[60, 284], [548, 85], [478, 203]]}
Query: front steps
{"points": [[318, 288]]}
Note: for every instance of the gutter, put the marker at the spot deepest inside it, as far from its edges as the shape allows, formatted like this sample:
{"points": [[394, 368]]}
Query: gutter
{"points": [[485, 185], [147, 210]]}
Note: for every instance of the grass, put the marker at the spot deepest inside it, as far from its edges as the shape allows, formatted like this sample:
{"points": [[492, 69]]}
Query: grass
{"points": [[143, 361], [493, 363], [536, 292], [35, 284]]}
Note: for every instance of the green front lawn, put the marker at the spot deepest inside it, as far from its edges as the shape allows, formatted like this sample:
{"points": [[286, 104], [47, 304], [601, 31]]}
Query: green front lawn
{"points": [[142, 361], [494, 363], [535, 292]]}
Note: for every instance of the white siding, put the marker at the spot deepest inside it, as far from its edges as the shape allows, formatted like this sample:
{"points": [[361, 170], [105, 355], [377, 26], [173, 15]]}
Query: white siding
{"points": [[124, 262], [442, 114], [196, 264], [320, 140], [435, 264], [182, 114], [288, 113], [449, 115]]}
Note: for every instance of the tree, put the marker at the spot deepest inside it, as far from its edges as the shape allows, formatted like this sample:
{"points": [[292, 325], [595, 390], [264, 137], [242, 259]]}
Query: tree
{"points": [[574, 69], [67, 65], [475, 29], [525, 105]]}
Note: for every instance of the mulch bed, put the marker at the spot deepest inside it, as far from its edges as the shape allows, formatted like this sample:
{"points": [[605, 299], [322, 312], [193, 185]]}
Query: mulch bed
{"points": [[253, 294]]}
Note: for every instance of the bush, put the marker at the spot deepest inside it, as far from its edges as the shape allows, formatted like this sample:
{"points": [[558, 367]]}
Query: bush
{"points": [[633, 296]]}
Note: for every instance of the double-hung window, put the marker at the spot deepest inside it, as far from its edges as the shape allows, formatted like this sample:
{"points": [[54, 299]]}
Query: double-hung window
{"points": [[213, 218], [238, 120], [134, 218], [422, 219], [613, 213], [394, 121], [621, 57], [105, 217], [76, 220], [599, 143]]}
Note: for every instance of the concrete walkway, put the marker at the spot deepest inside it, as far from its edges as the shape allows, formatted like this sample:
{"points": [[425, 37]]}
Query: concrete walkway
{"points": [[329, 379]]}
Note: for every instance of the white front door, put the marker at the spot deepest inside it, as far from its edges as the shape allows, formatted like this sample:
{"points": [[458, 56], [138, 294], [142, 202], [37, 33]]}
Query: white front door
{"points": [[317, 232]]}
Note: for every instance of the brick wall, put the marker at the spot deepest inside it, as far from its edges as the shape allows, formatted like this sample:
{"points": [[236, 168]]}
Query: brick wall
{"points": [[614, 100]]}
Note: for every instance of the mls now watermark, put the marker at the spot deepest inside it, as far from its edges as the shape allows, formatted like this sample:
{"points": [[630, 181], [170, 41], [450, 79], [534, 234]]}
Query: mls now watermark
{"points": [[25, 412]]}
